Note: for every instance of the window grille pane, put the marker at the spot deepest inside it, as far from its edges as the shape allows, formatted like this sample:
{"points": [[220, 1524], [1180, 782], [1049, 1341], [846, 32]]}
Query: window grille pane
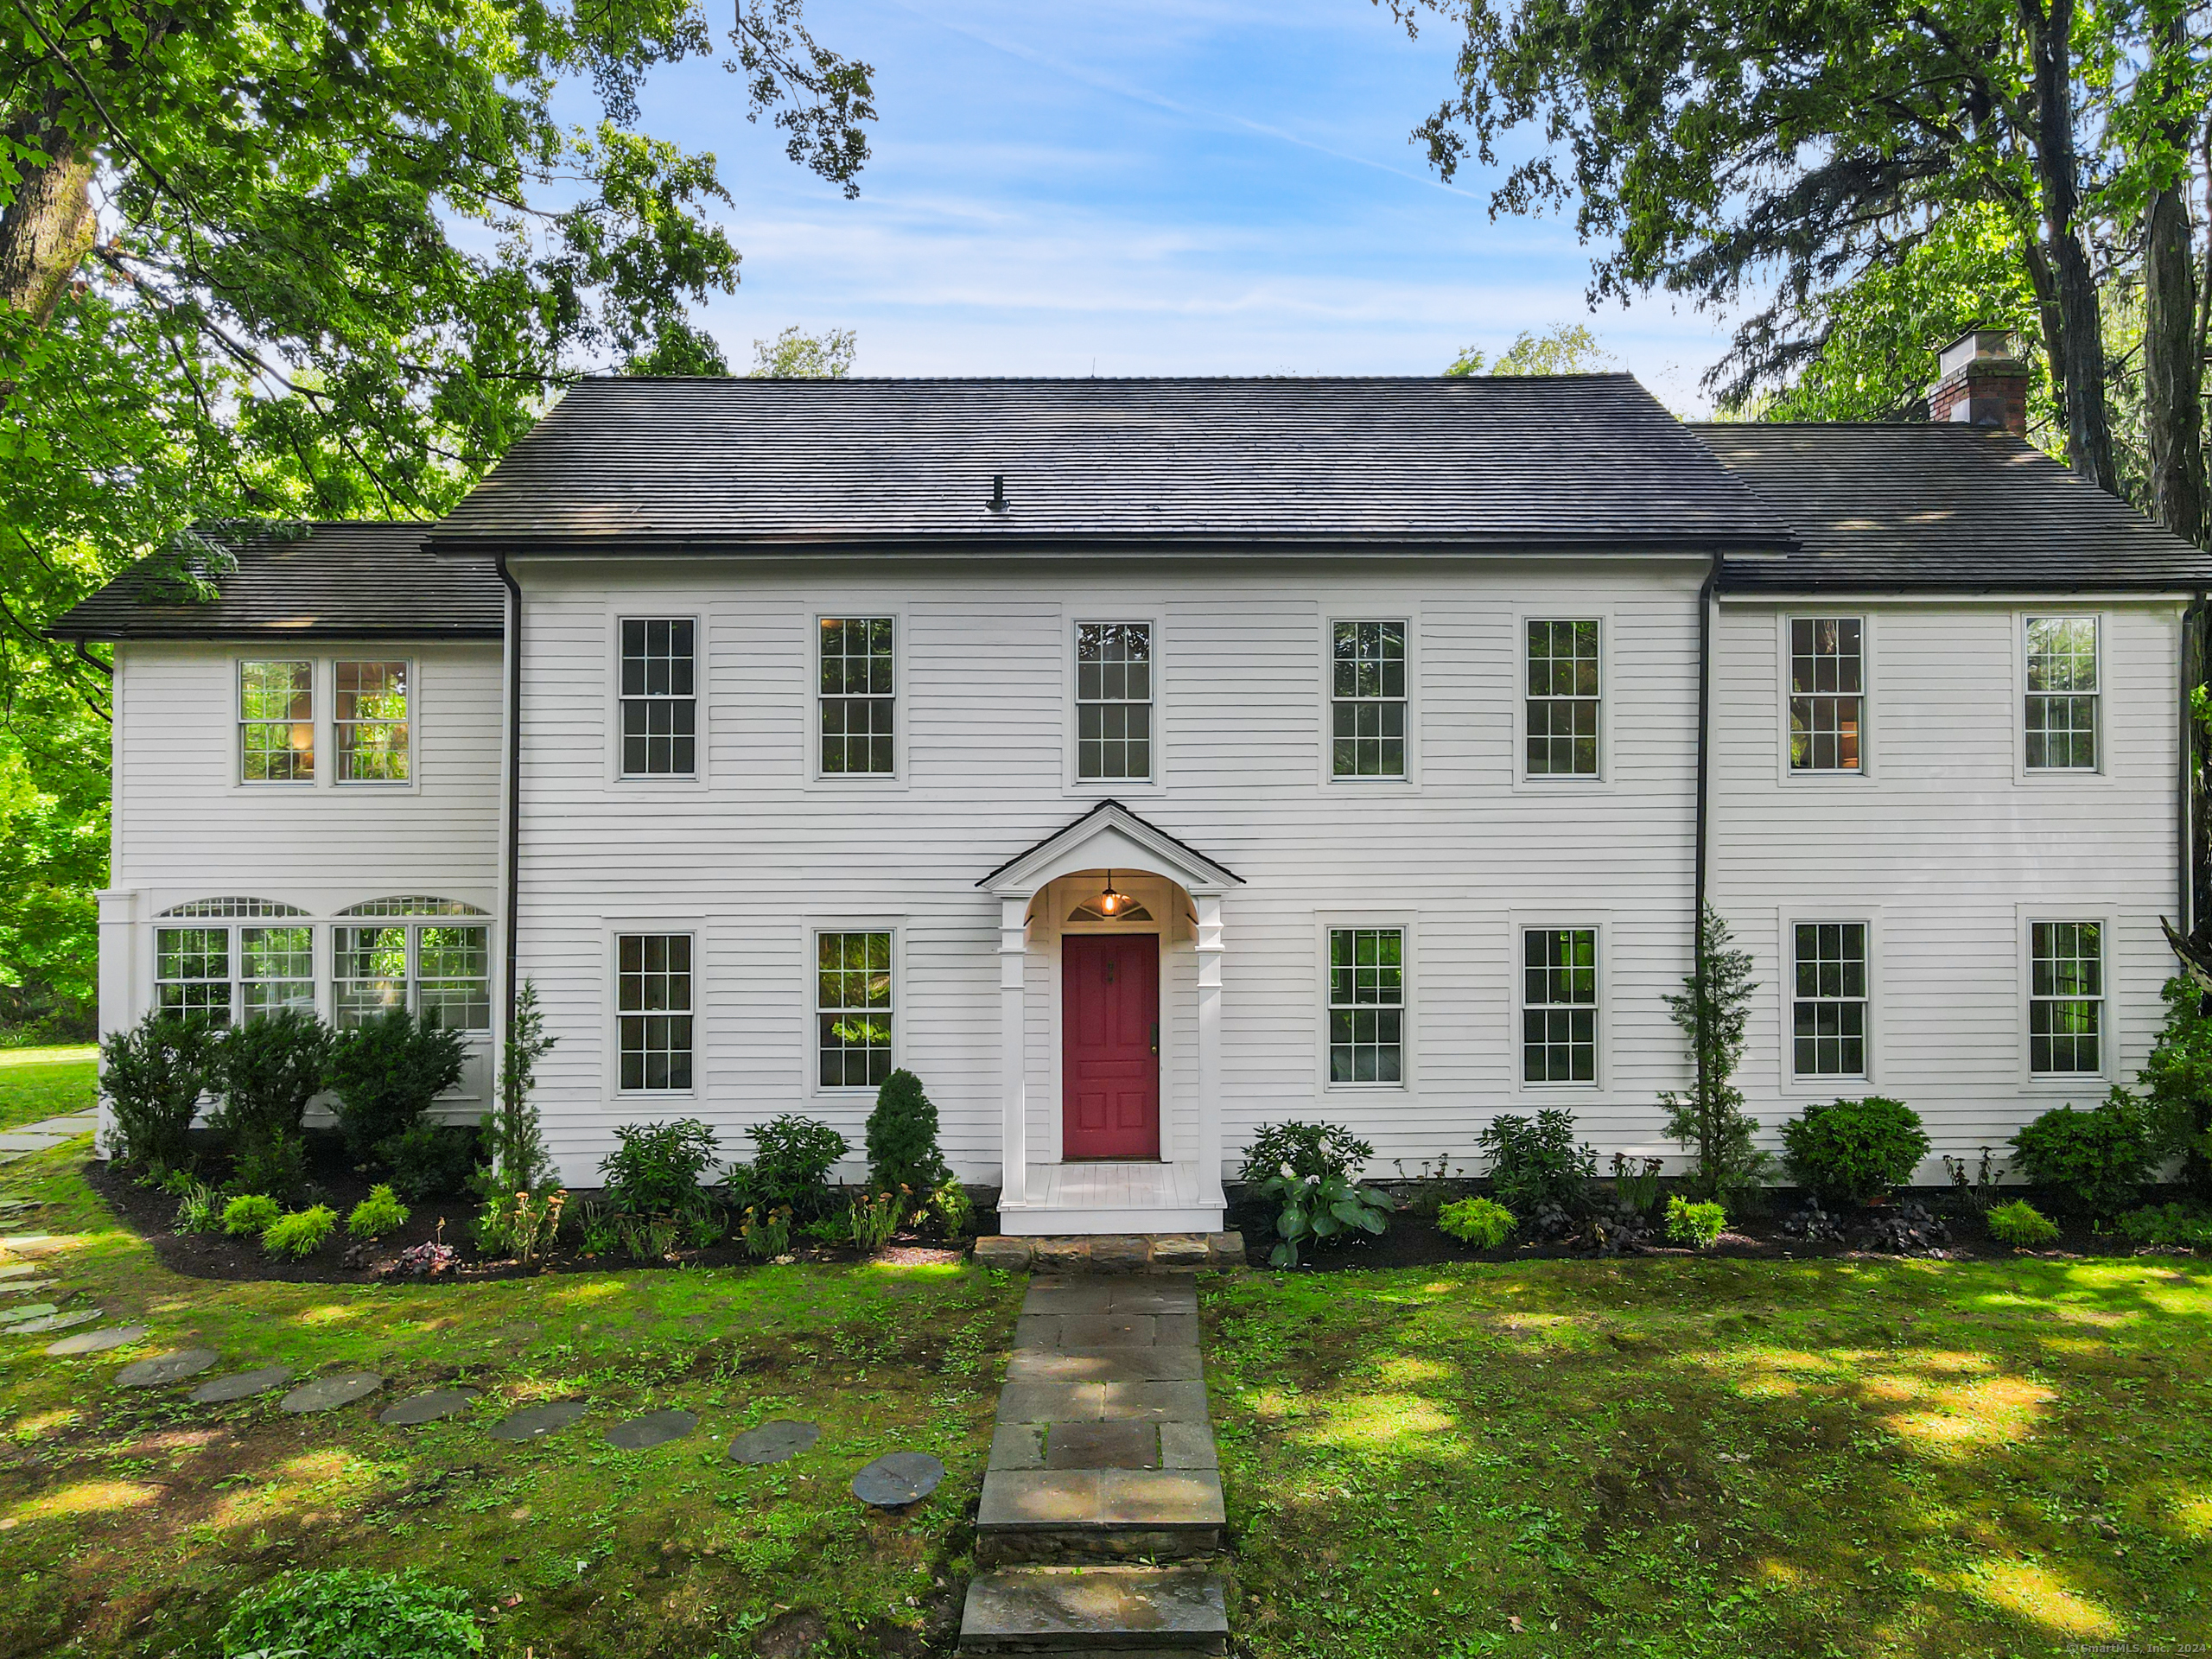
{"points": [[1826, 693], [276, 969], [192, 972], [1368, 700], [1559, 997], [276, 723], [233, 907], [1366, 1004], [368, 973], [659, 710], [453, 968], [1113, 662], [1828, 1011], [1564, 703], [2065, 996], [653, 1009], [2062, 696], [852, 1008], [369, 722], [858, 697]]}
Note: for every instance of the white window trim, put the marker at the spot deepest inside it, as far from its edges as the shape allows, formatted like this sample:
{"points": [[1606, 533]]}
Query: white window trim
{"points": [[323, 662], [1824, 1086], [1073, 617], [1399, 612], [613, 930], [1869, 688], [809, 1053], [1551, 783], [319, 720], [318, 958], [1408, 1024], [2083, 1089], [901, 698], [414, 673], [2047, 777], [629, 784], [1519, 923], [327, 987]]}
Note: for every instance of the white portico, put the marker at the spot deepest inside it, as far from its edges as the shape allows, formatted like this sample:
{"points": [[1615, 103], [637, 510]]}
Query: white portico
{"points": [[1109, 985]]}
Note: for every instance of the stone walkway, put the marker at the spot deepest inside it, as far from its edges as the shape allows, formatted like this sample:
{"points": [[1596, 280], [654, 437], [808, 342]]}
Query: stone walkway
{"points": [[47, 1133], [1102, 1503]]}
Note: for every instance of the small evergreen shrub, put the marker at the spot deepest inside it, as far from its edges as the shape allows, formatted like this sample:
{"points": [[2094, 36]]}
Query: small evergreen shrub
{"points": [[1534, 1163], [301, 1233], [2093, 1162], [1694, 1225], [429, 1160], [1854, 1149], [1478, 1221], [792, 1160], [2173, 1224], [269, 1068], [153, 1076], [2020, 1224], [278, 1164], [381, 1212], [385, 1072], [902, 1149], [248, 1213], [352, 1613]]}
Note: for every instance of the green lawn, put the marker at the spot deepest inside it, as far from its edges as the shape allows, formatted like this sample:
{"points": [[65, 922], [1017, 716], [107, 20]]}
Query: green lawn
{"points": [[37, 1083]]}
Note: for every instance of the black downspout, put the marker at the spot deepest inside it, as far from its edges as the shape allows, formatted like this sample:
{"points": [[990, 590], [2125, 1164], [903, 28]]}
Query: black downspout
{"points": [[2192, 674], [1704, 795], [514, 792]]}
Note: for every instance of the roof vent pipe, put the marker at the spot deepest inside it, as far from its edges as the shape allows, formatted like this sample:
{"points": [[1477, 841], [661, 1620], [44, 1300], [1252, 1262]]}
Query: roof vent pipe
{"points": [[997, 502]]}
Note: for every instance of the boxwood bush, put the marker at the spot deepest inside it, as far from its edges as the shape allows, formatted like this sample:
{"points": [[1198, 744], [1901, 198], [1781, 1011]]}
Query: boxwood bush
{"points": [[1854, 1149], [2090, 1163]]}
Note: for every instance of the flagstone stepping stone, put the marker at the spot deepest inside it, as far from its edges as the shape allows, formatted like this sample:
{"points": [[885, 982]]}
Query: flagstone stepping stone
{"points": [[29, 1310], [99, 1342], [773, 1442], [18, 1270], [898, 1479], [654, 1428], [28, 1286], [166, 1368], [537, 1422], [328, 1393], [52, 1322], [242, 1385], [434, 1406]]}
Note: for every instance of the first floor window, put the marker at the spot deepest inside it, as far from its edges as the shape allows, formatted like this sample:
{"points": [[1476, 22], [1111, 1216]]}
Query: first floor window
{"points": [[276, 969], [225, 974], [1828, 1012], [660, 698], [854, 1007], [859, 699], [192, 972], [276, 723], [441, 972], [369, 722], [1827, 688], [653, 1008], [2066, 997], [2061, 708], [1113, 700], [1367, 700], [1563, 699], [1367, 1004], [1559, 1004]]}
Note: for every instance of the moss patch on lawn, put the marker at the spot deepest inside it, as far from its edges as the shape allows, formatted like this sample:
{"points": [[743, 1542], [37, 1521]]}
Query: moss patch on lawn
{"points": [[128, 1519], [1684, 1459], [37, 1082]]}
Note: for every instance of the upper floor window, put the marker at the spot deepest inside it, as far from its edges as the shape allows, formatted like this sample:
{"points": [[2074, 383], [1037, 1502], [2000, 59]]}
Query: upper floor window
{"points": [[1367, 1004], [652, 1003], [1828, 1012], [2066, 997], [859, 702], [1367, 700], [2062, 710], [1828, 692], [1559, 1004], [222, 972], [369, 723], [1564, 701], [853, 1006], [440, 970], [660, 698], [1113, 700], [276, 723]]}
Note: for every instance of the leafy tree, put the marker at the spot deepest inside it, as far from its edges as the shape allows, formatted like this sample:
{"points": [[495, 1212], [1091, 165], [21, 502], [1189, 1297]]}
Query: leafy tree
{"points": [[1712, 1011], [795, 354], [1564, 348]]}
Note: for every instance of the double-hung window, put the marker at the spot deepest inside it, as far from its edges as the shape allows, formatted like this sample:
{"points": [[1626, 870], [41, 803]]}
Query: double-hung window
{"points": [[2066, 997], [858, 699], [653, 1002], [1565, 703], [276, 723], [1367, 1004], [369, 722], [853, 1006], [1113, 700], [1828, 692], [1367, 700], [659, 697], [1559, 1004], [438, 968], [1828, 1012], [2062, 706]]}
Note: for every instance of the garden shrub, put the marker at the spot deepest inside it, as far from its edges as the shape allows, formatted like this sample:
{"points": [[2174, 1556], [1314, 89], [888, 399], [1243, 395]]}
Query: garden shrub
{"points": [[653, 1187], [1318, 1150], [269, 1068], [2093, 1162], [1694, 1224], [249, 1213], [517, 1182], [300, 1233], [792, 1160], [429, 1160], [1713, 1012], [385, 1072], [902, 1149], [2177, 1084], [1478, 1221], [1854, 1149], [274, 1165], [2176, 1224], [153, 1076], [950, 1211], [352, 1613], [381, 1212], [2019, 1223], [1313, 1182], [1534, 1163]]}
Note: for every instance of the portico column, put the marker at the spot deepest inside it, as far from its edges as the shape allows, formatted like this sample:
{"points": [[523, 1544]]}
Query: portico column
{"points": [[1013, 951], [1208, 951]]}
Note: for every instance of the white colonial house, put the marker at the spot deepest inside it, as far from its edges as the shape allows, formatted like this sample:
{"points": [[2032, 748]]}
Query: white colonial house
{"points": [[1143, 761]]}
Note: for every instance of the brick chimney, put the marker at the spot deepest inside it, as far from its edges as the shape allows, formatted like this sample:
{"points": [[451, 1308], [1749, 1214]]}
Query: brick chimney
{"points": [[1983, 380]]}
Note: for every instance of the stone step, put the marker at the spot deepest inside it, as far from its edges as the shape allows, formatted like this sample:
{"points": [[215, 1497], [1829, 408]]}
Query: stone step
{"points": [[1099, 1515], [1161, 1612]]}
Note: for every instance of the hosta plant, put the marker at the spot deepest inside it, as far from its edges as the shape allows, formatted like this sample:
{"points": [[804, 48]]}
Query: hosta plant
{"points": [[1319, 1208]]}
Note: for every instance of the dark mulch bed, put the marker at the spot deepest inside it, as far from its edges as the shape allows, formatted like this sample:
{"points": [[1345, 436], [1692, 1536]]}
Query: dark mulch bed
{"points": [[148, 1211]]}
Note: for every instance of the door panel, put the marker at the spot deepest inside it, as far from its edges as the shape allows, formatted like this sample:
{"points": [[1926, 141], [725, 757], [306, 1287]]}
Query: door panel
{"points": [[1110, 1024]]}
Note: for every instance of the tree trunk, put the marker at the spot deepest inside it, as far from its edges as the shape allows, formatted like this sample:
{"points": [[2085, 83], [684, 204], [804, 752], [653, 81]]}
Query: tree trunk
{"points": [[2172, 361], [48, 228], [2088, 426]]}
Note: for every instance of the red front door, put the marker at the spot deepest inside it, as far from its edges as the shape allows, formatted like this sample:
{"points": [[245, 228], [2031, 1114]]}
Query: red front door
{"points": [[1110, 1081]]}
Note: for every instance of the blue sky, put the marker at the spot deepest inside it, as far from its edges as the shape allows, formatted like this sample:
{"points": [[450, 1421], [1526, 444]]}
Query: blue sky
{"points": [[1207, 188]]}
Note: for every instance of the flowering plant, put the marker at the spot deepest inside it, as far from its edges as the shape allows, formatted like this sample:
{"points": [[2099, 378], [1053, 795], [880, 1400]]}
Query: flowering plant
{"points": [[1310, 1173]]}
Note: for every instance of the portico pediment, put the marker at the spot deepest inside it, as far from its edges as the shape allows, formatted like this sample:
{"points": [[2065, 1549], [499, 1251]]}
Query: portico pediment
{"points": [[1110, 834]]}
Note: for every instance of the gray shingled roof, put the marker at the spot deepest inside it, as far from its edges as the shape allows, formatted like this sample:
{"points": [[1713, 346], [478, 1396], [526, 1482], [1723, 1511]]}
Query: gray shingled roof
{"points": [[354, 580], [656, 466], [1939, 506]]}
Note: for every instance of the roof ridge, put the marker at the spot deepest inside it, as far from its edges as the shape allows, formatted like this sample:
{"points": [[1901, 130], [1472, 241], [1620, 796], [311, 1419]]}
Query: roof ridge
{"points": [[1083, 379]]}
